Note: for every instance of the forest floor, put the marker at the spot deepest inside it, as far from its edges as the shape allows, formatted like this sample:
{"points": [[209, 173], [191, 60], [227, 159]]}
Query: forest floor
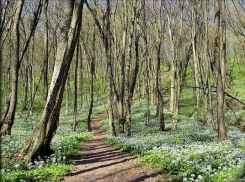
{"points": [[99, 162]]}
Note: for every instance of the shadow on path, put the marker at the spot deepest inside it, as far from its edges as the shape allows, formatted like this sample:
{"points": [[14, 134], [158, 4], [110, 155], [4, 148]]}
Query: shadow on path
{"points": [[98, 162]]}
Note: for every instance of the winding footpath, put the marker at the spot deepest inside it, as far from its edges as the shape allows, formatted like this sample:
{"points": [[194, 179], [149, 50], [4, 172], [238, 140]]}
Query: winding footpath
{"points": [[98, 162]]}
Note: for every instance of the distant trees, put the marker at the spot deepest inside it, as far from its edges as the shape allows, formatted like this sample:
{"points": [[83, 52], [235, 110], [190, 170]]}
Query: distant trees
{"points": [[8, 118]]}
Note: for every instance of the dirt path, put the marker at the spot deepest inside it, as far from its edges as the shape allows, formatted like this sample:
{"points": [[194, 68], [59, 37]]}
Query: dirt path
{"points": [[98, 162]]}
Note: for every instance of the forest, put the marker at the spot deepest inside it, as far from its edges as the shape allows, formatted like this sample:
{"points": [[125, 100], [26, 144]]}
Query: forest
{"points": [[161, 81]]}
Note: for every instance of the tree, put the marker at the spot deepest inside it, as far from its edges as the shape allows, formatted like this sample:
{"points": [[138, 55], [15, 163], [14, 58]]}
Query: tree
{"points": [[218, 76], [46, 54], [39, 141], [158, 76], [123, 56]]}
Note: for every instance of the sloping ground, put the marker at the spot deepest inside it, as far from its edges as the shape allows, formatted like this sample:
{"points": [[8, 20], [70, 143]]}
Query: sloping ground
{"points": [[98, 162]]}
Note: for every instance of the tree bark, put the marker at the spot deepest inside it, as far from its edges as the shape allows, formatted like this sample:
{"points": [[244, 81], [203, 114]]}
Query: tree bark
{"points": [[45, 73], [207, 61], [67, 89], [158, 76], [195, 59], [127, 71], [39, 141], [122, 89], [147, 68], [91, 89], [75, 90], [218, 75]]}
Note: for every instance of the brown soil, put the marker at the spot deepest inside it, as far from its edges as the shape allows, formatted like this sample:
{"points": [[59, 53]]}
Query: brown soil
{"points": [[98, 162]]}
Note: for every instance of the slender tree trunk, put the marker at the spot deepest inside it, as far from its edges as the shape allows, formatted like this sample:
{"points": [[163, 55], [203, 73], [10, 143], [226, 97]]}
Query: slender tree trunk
{"points": [[208, 84], [223, 42], [195, 59], [75, 91], [80, 77], [147, 68], [127, 73], [109, 69], [178, 66], [158, 76], [1, 60], [122, 89], [67, 88], [26, 86], [173, 68], [39, 141], [218, 76], [32, 79], [45, 73], [92, 69]]}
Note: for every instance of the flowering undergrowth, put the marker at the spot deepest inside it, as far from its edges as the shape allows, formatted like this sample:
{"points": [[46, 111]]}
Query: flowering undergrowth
{"points": [[49, 168], [192, 154]]}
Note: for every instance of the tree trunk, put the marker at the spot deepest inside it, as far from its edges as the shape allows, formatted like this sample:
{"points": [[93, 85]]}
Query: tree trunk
{"points": [[45, 73], [109, 69], [39, 141], [195, 60], [223, 42], [32, 79], [127, 73], [147, 68], [75, 90], [26, 86], [158, 76], [207, 82], [218, 76], [1, 60], [80, 77], [67, 87], [92, 69], [122, 89]]}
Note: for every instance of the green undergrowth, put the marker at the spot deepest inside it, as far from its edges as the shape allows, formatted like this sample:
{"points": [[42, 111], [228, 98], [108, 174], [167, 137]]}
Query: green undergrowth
{"points": [[193, 153], [49, 168], [52, 172], [65, 143]]}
